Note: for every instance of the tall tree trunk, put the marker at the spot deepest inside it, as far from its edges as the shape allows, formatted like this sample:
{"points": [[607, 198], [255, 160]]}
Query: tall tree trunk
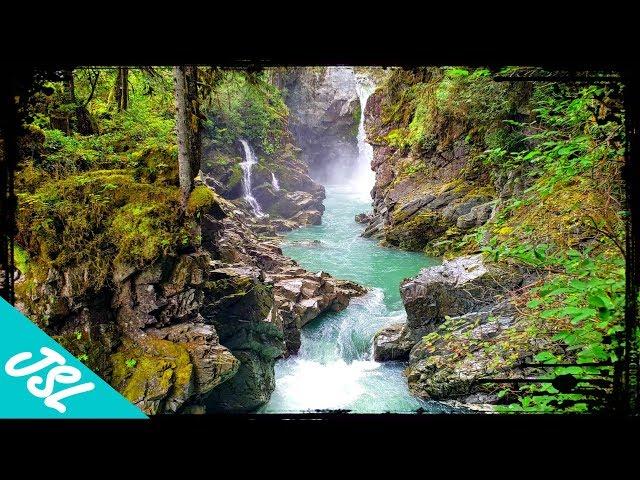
{"points": [[69, 87], [183, 129], [122, 88], [195, 141]]}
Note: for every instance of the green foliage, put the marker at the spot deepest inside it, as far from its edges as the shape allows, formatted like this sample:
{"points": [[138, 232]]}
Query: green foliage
{"points": [[246, 105], [567, 224], [21, 259], [583, 297], [131, 362], [564, 141], [432, 109]]}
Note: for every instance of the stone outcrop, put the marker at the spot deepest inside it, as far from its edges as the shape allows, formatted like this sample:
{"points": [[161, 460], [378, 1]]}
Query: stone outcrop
{"points": [[449, 363], [392, 343], [452, 311], [199, 331], [462, 285], [301, 296], [430, 192]]}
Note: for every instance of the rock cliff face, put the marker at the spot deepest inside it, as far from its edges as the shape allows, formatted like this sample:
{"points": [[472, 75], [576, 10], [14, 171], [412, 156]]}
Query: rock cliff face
{"points": [[429, 189], [200, 331], [325, 112]]}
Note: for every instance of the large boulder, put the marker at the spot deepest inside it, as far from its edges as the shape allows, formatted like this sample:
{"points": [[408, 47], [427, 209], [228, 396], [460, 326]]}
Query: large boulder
{"points": [[465, 284], [292, 203], [392, 343]]}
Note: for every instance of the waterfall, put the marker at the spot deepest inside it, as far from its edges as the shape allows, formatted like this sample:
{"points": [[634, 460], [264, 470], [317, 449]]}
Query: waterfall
{"points": [[249, 161], [365, 178], [274, 182]]}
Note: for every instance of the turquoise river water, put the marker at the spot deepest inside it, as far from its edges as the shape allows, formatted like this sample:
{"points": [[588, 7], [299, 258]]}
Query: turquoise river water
{"points": [[334, 368]]}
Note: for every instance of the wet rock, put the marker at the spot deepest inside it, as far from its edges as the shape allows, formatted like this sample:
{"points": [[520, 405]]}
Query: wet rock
{"points": [[363, 218], [282, 225], [452, 212], [408, 209], [307, 217], [449, 362], [248, 389], [392, 343], [156, 375], [240, 306], [213, 363], [266, 195], [294, 202]]}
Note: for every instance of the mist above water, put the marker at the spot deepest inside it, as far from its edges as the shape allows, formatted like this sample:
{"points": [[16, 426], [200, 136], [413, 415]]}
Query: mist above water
{"points": [[341, 159]]}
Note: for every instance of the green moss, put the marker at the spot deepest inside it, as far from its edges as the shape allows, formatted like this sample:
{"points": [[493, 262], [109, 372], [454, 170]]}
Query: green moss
{"points": [[357, 112], [201, 198], [142, 232], [21, 259], [162, 369], [397, 138], [236, 176], [93, 351], [81, 223], [415, 233]]}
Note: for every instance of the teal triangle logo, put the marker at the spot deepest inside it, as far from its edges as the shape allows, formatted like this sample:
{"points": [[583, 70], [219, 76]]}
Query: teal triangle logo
{"points": [[40, 379]]}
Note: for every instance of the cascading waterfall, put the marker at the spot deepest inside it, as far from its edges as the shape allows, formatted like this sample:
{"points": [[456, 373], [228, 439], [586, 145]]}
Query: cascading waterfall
{"points": [[274, 182], [249, 161], [364, 178], [334, 368]]}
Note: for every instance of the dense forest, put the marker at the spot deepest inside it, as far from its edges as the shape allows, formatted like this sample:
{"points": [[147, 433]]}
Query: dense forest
{"points": [[190, 234]]}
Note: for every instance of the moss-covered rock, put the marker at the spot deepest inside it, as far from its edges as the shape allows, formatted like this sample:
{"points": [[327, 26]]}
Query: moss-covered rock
{"points": [[417, 232], [154, 374]]}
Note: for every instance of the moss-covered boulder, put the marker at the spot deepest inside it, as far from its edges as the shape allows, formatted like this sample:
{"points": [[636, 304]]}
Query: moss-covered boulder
{"points": [[415, 233], [156, 375]]}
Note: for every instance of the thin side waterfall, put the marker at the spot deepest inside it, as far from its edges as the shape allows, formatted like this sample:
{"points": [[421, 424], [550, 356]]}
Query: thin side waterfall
{"points": [[249, 161], [274, 182], [364, 178]]}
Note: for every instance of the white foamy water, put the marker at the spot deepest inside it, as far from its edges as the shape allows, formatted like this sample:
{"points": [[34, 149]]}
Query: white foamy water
{"points": [[249, 161], [334, 368], [364, 178], [274, 182], [314, 385]]}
